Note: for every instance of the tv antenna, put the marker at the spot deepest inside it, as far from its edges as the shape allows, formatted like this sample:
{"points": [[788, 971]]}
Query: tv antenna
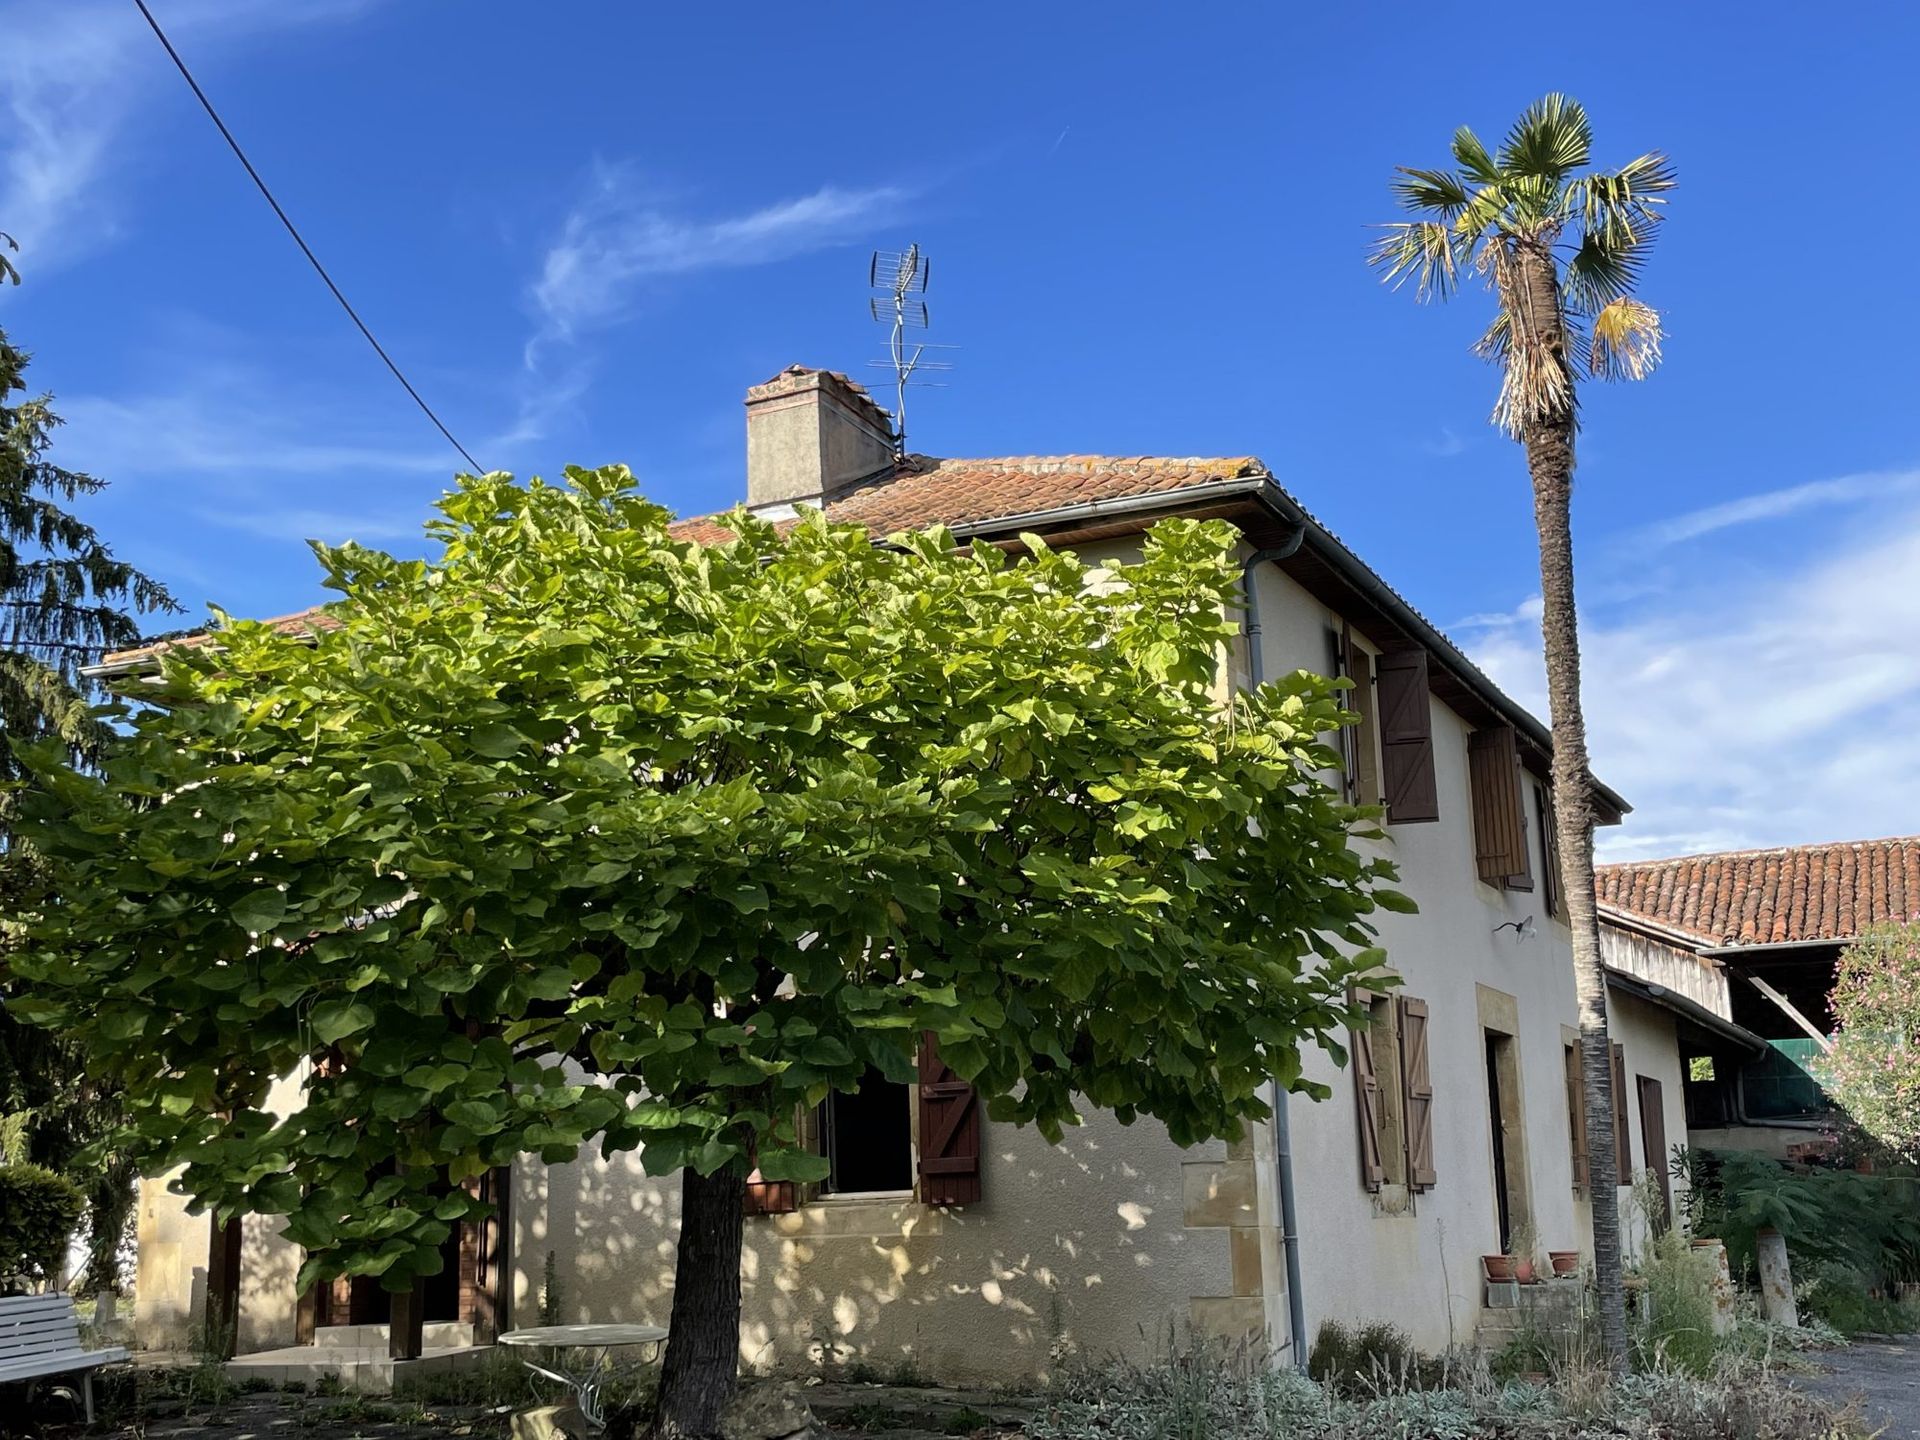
{"points": [[901, 278]]}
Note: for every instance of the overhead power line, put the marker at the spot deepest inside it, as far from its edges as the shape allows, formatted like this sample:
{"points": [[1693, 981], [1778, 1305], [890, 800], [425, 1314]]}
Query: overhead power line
{"points": [[305, 249]]}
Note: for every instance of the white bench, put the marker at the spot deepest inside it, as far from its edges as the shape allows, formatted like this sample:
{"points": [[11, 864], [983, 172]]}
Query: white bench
{"points": [[40, 1335]]}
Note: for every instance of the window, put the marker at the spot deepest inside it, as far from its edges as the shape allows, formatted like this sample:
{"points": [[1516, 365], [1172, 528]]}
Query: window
{"points": [[1393, 1091], [867, 1137], [1549, 851], [885, 1136], [1359, 764]]}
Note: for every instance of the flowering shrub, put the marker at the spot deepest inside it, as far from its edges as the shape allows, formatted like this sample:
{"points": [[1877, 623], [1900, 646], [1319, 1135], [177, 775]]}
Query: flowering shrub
{"points": [[1873, 1070]]}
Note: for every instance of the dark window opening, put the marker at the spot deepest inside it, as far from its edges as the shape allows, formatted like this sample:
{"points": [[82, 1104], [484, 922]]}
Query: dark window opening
{"points": [[867, 1137]]}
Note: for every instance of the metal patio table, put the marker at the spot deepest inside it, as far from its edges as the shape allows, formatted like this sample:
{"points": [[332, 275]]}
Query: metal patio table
{"points": [[602, 1340]]}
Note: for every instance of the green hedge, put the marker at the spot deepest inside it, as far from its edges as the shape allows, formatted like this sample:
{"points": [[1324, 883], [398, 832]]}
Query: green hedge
{"points": [[38, 1213]]}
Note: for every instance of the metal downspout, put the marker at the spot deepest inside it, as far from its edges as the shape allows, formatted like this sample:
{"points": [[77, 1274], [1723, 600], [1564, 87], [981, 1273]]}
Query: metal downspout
{"points": [[1282, 1132]]}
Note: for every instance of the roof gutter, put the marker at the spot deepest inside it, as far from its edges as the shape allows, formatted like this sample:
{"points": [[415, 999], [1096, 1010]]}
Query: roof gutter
{"points": [[109, 669], [1687, 1008], [1120, 507], [1753, 948]]}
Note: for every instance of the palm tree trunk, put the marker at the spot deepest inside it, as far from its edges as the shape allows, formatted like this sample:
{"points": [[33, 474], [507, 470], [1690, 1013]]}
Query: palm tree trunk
{"points": [[702, 1367], [1549, 444]]}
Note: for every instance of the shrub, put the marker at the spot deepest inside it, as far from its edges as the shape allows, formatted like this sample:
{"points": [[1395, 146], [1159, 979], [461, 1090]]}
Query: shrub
{"points": [[38, 1213], [1215, 1394], [1841, 1296], [1868, 1222], [1872, 1071], [1364, 1360], [1675, 1329]]}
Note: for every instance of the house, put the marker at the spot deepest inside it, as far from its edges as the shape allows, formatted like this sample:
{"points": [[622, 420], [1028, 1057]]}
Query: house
{"points": [[1753, 936], [978, 1251]]}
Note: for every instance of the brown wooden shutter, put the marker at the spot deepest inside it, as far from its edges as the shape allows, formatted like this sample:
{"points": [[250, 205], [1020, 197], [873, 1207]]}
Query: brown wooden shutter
{"points": [[1622, 1140], [949, 1132], [1653, 1140], [1417, 1079], [1406, 738], [1366, 1095], [1549, 851], [1499, 809], [1577, 1112]]}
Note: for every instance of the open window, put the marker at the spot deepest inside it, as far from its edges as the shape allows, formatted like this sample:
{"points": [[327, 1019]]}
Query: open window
{"points": [[884, 1137], [1357, 744], [867, 1137]]}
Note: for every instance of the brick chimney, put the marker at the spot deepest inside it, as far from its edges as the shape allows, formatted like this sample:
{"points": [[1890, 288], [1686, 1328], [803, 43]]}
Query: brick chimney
{"points": [[811, 433]]}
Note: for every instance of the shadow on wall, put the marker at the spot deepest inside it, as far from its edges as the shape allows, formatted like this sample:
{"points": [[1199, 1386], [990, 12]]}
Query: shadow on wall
{"points": [[1080, 1248]]}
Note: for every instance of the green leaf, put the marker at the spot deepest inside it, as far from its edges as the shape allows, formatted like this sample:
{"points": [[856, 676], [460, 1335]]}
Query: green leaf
{"points": [[334, 1020], [260, 910], [496, 741]]}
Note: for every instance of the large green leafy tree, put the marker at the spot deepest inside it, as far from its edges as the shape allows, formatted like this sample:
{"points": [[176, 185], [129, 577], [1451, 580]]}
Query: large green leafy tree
{"points": [[1871, 1068], [64, 597], [1560, 248], [581, 835]]}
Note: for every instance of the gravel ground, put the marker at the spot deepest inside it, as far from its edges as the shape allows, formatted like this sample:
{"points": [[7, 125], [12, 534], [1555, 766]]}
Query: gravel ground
{"points": [[1885, 1374]]}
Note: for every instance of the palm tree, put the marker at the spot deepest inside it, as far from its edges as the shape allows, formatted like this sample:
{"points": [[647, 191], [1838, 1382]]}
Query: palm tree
{"points": [[1560, 248]]}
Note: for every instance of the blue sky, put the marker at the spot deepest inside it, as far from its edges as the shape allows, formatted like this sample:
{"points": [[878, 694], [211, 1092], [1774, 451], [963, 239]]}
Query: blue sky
{"points": [[585, 229]]}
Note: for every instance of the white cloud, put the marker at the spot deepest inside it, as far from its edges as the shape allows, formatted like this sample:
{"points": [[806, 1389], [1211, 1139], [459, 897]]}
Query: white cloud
{"points": [[622, 235], [1736, 711], [72, 76], [1777, 504], [329, 527], [226, 422]]}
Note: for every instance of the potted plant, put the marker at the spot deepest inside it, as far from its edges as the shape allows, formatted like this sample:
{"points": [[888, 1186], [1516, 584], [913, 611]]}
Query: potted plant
{"points": [[1564, 1262], [1498, 1267], [1524, 1246]]}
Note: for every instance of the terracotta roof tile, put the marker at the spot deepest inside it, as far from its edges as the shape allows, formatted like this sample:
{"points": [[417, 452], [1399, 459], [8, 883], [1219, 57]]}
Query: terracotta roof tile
{"points": [[1772, 897], [301, 622], [924, 491]]}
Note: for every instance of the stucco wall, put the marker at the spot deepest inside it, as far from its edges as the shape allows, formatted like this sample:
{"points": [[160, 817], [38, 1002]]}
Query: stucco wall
{"points": [[1085, 1246], [1420, 1268], [1645, 1034], [170, 1268]]}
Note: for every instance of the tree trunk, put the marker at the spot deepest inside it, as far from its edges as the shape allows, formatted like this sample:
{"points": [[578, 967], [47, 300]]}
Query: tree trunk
{"points": [[1534, 301], [703, 1349]]}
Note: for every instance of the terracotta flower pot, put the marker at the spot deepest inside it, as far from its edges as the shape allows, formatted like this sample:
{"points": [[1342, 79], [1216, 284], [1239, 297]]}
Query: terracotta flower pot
{"points": [[1523, 1270], [1565, 1262], [1498, 1267]]}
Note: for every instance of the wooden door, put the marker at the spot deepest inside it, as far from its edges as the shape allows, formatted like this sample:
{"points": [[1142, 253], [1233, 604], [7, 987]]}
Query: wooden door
{"points": [[1653, 1140]]}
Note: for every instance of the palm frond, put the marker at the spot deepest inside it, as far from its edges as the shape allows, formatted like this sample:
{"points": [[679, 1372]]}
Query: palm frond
{"points": [[1484, 214], [1440, 191], [1473, 159], [8, 270], [1626, 341], [1494, 345], [1550, 139], [1599, 273], [1420, 250], [1624, 207]]}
